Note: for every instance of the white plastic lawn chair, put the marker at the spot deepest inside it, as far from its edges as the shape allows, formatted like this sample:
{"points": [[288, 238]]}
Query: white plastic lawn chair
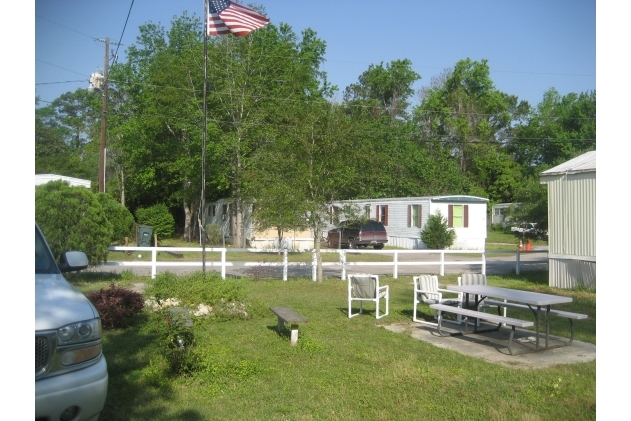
{"points": [[366, 288], [473, 279], [426, 291]]}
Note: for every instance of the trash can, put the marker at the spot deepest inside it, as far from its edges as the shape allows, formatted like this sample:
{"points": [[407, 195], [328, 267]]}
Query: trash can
{"points": [[144, 235]]}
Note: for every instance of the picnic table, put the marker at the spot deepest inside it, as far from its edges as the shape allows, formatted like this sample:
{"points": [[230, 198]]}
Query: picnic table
{"points": [[537, 302]]}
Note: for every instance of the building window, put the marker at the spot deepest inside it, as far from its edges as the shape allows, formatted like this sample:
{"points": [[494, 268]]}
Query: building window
{"points": [[458, 216], [367, 211], [382, 214], [415, 215], [499, 211]]}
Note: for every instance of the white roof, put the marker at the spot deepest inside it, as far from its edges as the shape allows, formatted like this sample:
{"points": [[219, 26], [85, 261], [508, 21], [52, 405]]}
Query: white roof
{"points": [[45, 178], [582, 163]]}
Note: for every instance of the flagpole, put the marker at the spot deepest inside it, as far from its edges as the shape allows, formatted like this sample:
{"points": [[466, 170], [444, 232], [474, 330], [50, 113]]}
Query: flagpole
{"points": [[202, 206]]}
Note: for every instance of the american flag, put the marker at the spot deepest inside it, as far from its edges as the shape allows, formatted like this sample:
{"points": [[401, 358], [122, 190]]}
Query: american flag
{"points": [[228, 17]]}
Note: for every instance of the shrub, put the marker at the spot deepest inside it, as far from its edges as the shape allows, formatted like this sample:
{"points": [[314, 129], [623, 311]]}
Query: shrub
{"points": [[437, 235], [116, 305], [119, 216], [213, 234], [159, 218], [194, 288], [178, 342], [72, 218]]}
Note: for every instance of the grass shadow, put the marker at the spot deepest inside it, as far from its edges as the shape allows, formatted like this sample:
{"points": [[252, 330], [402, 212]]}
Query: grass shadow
{"points": [[93, 277], [138, 387]]}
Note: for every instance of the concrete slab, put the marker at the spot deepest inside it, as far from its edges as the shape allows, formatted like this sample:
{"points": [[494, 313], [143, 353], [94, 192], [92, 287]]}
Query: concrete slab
{"points": [[493, 346]]}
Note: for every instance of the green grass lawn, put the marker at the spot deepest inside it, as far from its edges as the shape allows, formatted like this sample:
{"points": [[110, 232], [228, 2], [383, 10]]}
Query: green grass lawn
{"points": [[342, 369]]}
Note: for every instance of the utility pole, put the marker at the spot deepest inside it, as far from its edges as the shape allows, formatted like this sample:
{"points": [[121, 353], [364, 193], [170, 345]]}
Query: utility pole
{"points": [[103, 118]]}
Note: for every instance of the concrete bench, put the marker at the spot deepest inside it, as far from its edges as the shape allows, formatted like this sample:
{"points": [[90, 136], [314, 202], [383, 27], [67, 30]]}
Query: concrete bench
{"points": [[480, 315], [568, 315], [287, 315]]}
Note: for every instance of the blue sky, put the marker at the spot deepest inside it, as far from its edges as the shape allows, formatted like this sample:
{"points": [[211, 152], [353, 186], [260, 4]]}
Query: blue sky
{"points": [[531, 45]]}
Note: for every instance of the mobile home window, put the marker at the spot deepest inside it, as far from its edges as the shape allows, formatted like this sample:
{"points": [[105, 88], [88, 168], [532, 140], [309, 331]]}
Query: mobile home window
{"points": [[414, 215], [367, 211], [382, 214], [458, 216]]}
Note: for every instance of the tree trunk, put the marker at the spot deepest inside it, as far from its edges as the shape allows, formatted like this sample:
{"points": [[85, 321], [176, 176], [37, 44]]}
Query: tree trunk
{"points": [[122, 187], [316, 243], [238, 223], [188, 219]]}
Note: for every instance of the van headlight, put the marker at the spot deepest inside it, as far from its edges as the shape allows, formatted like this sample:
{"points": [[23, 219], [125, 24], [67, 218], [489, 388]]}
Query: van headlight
{"points": [[76, 342], [79, 355], [73, 333]]}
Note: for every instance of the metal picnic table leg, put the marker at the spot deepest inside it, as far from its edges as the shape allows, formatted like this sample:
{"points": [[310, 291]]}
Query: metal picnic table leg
{"points": [[547, 323], [537, 333]]}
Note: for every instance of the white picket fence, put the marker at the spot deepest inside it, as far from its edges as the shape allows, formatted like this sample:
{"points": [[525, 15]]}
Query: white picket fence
{"points": [[224, 263]]}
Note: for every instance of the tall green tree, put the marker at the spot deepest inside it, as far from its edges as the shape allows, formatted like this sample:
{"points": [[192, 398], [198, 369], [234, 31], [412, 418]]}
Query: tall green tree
{"points": [[300, 174], [463, 116], [256, 82], [560, 128], [65, 135], [384, 90], [394, 164], [159, 148]]}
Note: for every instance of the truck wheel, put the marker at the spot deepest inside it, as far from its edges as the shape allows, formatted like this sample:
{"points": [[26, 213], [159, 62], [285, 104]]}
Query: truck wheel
{"points": [[378, 246], [351, 243]]}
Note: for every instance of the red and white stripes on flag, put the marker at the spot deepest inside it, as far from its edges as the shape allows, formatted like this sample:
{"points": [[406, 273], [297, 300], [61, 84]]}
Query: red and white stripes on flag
{"points": [[227, 17]]}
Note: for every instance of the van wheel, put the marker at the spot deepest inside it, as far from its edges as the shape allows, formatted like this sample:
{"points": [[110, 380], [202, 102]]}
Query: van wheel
{"points": [[351, 243]]}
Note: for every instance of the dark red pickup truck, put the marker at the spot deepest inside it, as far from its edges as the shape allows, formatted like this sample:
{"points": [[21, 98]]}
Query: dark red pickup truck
{"points": [[353, 234]]}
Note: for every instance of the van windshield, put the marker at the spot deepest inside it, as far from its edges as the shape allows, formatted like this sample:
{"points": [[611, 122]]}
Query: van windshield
{"points": [[44, 262]]}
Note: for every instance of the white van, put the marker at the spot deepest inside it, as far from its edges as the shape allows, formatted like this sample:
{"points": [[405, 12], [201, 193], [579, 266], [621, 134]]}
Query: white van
{"points": [[70, 369]]}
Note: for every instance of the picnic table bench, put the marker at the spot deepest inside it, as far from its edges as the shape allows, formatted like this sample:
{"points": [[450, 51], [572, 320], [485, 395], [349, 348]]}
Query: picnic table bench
{"points": [[568, 315], [287, 315], [480, 315]]}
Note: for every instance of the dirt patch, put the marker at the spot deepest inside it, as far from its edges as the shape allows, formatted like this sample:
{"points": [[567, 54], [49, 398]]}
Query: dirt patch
{"points": [[138, 287]]}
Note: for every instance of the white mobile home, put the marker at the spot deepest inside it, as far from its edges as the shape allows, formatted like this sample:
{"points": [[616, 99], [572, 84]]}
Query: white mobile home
{"points": [[405, 218], [221, 214], [572, 222], [498, 211]]}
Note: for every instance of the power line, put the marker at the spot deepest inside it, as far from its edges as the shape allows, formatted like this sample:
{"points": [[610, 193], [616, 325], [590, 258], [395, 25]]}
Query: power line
{"points": [[55, 83], [70, 29], [59, 67], [121, 38]]}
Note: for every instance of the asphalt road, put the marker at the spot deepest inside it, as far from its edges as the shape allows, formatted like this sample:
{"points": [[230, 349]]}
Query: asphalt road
{"points": [[496, 264]]}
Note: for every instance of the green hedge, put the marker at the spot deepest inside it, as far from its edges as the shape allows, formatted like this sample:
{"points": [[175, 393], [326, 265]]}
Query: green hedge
{"points": [[159, 218], [72, 218]]}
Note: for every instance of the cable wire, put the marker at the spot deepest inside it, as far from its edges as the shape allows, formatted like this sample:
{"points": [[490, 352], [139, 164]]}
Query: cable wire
{"points": [[121, 38]]}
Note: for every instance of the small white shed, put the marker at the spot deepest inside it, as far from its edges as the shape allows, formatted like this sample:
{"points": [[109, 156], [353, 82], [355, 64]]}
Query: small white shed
{"points": [[572, 222], [405, 218], [45, 178]]}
